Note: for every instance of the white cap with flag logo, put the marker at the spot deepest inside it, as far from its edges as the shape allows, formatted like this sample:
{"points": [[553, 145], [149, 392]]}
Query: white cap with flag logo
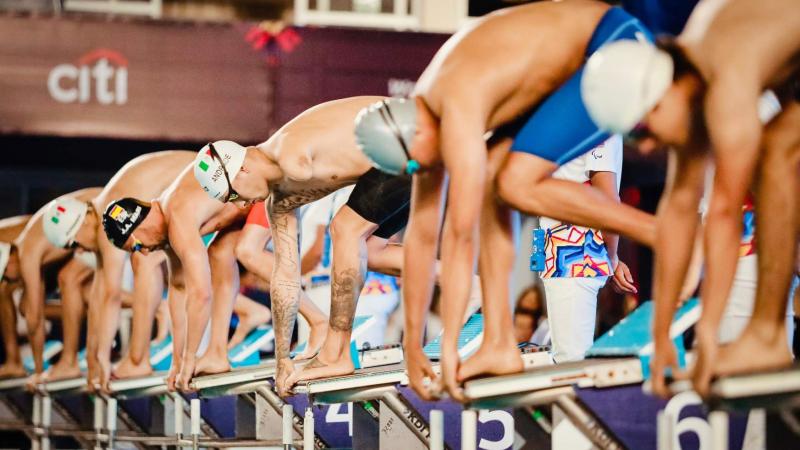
{"points": [[209, 171], [623, 81], [62, 220]]}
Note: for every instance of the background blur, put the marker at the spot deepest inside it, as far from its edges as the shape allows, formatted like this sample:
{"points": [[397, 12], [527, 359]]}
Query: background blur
{"points": [[86, 85]]}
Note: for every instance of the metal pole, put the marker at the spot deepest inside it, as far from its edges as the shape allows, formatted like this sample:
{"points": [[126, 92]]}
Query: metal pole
{"points": [[308, 429], [111, 420], [437, 430], [469, 429], [287, 414], [195, 416], [47, 414], [98, 421]]}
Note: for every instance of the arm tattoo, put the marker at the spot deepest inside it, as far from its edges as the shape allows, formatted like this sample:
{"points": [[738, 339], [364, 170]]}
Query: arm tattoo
{"points": [[285, 288], [284, 202], [345, 288], [284, 310]]}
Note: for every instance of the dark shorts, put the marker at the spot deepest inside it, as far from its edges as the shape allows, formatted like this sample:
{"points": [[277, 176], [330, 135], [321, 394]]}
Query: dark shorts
{"points": [[560, 129], [382, 199]]}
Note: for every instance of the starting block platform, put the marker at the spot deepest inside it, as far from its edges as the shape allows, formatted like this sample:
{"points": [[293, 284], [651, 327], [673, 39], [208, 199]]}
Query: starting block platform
{"points": [[595, 403]]}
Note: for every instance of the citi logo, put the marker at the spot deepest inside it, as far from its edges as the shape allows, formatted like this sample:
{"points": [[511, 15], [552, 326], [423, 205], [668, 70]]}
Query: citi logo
{"points": [[102, 71]]}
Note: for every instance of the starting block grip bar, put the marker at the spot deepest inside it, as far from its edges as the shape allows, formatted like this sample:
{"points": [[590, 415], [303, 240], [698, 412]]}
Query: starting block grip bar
{"points": [[469, 429], [437, 430], [287, 414]]}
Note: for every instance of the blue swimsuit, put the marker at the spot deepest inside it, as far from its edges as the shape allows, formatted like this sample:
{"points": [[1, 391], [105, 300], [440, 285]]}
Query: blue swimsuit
{"points": [[560, 128]]}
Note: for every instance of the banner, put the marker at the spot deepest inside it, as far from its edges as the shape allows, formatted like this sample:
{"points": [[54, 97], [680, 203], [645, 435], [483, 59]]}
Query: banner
{"points": [[136, 79], [172, 81]]}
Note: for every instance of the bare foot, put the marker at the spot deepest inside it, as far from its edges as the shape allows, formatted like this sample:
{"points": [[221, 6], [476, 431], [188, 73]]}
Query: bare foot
{"points": [[12, 371], [319, 368], [419, 368], [103, 374], [184, 378], [491, 360], [210, 364], [316, 337], [62, 371], [33, 381], [128, 369], [247, 324], [449, 365], [706, 349], [284, 371], [172, 375], [754, 351]]}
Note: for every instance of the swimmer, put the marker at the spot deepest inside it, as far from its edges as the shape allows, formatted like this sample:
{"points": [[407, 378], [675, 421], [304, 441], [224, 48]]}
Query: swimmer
{"points": [[34, 251], [10, 228], [70, 223], [528, 91], [175, 221], [704, 90], [311, 156]]}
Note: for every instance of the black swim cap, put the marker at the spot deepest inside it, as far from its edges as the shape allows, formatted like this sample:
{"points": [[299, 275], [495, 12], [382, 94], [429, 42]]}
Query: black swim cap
{"points": [[122, 217]]}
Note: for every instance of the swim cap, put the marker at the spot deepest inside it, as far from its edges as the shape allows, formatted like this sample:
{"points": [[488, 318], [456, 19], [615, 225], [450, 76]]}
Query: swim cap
{"points": [[87, 258], [122, 217], [62, 220], [209, 172], [384, 132], [5, 254], [623, 81]]}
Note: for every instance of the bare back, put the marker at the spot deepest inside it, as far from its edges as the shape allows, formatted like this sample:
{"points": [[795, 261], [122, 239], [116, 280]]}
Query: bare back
{"points": [[186, 202], [745, 38], [145, 176], [509, 61], [317, 152], [11, 227]]}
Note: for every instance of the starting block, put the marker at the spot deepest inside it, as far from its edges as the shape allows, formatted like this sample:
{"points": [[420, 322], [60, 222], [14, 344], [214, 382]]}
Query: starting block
{"points": [[51, 349], [469, 339], [247, 352]]}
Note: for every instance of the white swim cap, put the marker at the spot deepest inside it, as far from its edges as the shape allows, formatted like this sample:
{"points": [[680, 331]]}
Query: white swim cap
{"points": [[384, 132], [623, 81], [5, 254], [209, 171], [89, 259], [62, 220]]}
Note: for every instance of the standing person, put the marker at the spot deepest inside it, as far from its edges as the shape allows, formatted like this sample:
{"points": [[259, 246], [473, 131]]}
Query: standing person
{"points": [[579, 260]]}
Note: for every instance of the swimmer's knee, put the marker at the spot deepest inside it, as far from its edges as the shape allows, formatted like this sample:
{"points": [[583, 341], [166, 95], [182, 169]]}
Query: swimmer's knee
{"points": [[246, 253], [507, 184], [350, 226]]}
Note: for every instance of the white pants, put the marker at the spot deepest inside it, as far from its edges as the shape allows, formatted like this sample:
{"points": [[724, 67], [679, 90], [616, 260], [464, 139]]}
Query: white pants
{"points": [[742, 300], [571, 312]]}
